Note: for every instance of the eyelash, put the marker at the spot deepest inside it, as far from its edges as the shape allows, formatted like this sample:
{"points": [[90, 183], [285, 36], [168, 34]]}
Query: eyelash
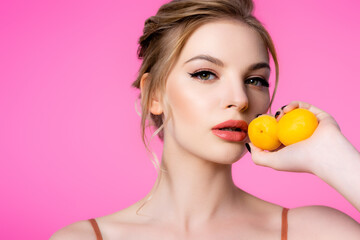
{"points": [[197, 75]]}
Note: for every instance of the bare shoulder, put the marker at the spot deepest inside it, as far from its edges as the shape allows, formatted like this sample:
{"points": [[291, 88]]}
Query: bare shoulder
{"points": [[78, 230], [321, 222]]}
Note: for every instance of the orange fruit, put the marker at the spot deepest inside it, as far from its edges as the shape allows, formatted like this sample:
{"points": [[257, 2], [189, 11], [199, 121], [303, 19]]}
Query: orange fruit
{"points": [[262, 132], [295, 126], [268, 134]]}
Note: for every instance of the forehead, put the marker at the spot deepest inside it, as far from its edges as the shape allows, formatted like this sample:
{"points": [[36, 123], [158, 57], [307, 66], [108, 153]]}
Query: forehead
{"points": [[231, 41]]}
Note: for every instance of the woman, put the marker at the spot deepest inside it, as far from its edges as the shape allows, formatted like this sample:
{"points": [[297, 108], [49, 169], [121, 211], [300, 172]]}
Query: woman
{"points": [[206, 66]]}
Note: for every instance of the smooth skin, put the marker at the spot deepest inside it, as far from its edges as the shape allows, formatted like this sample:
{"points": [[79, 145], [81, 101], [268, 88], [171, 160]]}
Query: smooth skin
{"points": [[196, 197]]}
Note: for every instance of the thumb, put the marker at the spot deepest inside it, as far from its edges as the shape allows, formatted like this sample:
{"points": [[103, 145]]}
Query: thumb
{"points": [[265, 158]]}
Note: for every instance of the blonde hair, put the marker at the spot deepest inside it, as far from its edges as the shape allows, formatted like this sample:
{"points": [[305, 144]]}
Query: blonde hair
{"points": [[166, 33]]}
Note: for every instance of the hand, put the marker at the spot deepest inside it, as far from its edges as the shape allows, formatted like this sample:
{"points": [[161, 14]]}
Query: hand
{"points": [[326, 144]]}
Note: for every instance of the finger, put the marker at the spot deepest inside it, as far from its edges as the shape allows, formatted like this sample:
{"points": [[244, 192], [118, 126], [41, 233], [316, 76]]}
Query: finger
{"points": [[263, 158], [299, 104], [320, 114], [279, 113]]}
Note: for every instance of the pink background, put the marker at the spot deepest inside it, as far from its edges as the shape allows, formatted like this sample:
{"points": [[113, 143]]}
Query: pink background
{"points": [[70, 146]]}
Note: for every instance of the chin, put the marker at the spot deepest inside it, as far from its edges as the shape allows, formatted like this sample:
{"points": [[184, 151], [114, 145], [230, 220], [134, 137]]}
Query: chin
{"points": [[227, 157]]}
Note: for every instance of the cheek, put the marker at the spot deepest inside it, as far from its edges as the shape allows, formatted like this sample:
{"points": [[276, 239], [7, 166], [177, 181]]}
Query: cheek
{"points": [[184, 104], [259, 101], [188, 102]]}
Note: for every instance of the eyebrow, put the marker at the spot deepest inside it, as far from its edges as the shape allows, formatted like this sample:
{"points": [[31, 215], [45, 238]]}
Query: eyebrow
{"points": [[208, 58], [218, 62]]}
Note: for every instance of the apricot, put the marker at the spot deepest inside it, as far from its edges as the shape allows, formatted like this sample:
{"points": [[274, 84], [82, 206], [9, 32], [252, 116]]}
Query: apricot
{"points": [[267, 133], [262, 132], [295, 126]]}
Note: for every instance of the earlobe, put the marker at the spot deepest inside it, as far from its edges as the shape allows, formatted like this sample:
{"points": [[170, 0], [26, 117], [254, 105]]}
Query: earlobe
{"points": [[155, 107]]}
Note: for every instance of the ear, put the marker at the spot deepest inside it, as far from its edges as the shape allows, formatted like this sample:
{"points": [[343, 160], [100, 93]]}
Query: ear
{"points": [[155, 106]]}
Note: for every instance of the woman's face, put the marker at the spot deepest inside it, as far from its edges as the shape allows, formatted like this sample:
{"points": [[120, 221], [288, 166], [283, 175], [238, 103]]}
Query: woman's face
{"points": [[213, 81]]}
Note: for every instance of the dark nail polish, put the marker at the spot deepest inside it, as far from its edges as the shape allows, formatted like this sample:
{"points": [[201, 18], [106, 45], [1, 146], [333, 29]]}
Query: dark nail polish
{"points": [[257, 115], [282, 108], [277, 114], [248, 147]]}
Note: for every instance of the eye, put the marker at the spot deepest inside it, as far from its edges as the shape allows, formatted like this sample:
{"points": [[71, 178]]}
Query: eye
{"points": [[257, 81], [203, 75]]}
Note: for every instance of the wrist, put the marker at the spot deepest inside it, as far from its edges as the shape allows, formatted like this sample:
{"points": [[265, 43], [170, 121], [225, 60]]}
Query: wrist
{"points": [[340, 158]]}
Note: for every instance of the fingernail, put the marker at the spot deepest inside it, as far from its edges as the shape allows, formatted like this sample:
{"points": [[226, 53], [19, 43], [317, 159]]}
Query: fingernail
{"points": [[257, 115], [282, 108], [248, 147], [277, 114]]}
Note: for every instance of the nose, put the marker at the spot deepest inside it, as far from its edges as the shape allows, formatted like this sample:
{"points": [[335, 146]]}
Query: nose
{"points": [[237, 97]]}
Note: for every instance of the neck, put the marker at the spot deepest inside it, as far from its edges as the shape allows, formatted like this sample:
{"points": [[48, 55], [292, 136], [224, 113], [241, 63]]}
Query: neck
{"points": [[191, 191]]}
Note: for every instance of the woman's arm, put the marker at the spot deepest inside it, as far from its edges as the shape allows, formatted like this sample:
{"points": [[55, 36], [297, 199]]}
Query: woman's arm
{"points": [[330, 156], [342, 171], [327, 154]]}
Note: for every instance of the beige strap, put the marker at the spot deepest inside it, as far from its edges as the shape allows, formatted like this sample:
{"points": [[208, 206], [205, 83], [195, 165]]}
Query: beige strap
{"points": [[96, 229], [284, 224]]}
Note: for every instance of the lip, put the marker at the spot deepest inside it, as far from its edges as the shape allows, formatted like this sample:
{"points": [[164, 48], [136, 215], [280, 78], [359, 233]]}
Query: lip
{"points": [[234, 136], [233, 124]]}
